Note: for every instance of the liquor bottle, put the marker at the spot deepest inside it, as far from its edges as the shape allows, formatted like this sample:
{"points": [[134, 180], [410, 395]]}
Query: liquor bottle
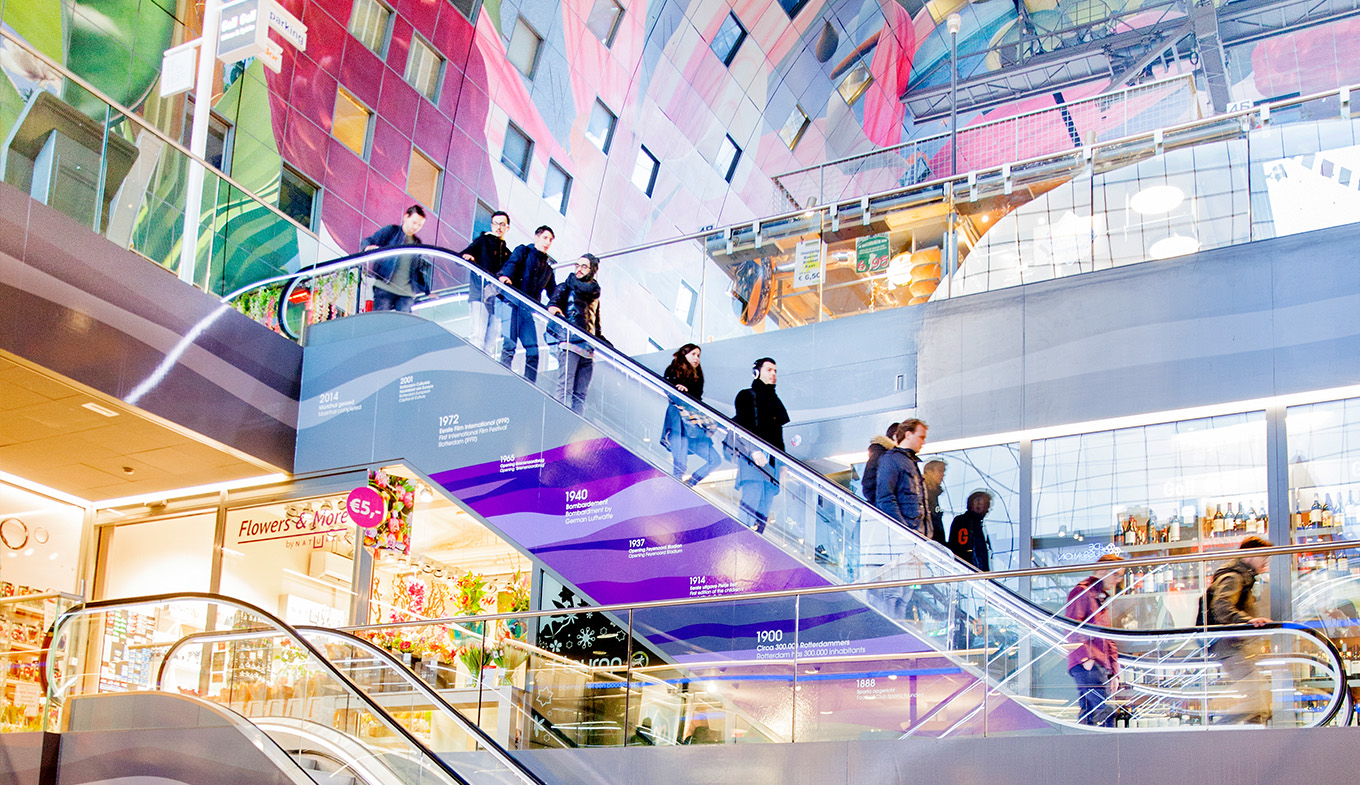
{"points": [[1252, 521], [1315, 513], [1338, 511], [1173, 528], [1327, 511], [1264, 524], [1130, 532], [1219, 521], [1240, 522], [1350, 508]]}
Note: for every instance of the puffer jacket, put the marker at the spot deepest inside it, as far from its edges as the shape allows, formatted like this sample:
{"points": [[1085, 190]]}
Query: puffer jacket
{"points": [[901, 489], [869, 483], [579, 302]]}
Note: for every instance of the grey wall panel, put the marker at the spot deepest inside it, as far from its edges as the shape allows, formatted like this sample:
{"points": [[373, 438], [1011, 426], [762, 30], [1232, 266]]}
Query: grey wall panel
{"points": [[74, 303], [21, 757], [1232, 324], [1320, 756]]}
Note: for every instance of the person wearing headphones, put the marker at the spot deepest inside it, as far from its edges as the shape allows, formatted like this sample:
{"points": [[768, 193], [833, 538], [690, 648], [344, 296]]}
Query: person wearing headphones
{"points": [[760, 412]]}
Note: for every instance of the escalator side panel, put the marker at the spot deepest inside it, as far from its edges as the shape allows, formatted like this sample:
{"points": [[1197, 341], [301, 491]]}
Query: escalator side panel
{"points": [[393, 387]]}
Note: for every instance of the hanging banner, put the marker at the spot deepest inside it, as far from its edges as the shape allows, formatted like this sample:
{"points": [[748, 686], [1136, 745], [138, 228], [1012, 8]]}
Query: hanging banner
{"points": [[808, 263], [872, 253]]}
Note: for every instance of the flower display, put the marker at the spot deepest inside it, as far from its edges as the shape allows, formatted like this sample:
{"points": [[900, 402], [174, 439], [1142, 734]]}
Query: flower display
{"points": [[394, 533]]}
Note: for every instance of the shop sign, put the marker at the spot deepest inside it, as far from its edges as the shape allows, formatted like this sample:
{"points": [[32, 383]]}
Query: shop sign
{"points": [[807, 263], [323, 522], [366, 507], [872, 253], [242, 31]]}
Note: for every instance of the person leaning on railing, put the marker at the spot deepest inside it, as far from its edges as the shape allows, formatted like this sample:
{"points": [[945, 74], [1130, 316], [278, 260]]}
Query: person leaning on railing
{"points": [[399, 280]]}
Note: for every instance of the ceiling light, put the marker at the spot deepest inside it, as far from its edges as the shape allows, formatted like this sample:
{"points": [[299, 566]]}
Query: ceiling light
{"points": [[97, 409], [1175, 245], [1157, 199]]}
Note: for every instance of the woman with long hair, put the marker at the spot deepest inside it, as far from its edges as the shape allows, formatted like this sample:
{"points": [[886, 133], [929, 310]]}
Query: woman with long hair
{"points": [[685, 431]]}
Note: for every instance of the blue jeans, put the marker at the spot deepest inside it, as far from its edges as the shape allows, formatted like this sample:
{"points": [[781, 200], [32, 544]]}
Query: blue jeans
{"points": [[1093, 688], [757, 497], [518, 326], [686, 439], [384, 300]]}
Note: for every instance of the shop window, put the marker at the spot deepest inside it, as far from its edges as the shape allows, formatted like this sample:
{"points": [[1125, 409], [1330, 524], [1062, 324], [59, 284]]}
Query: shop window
{"points": [[1324, 505], [557, 187], [524, 47], [517, 151], [298, 197], [424, 69], [352, 123], [854, 83], [1156, 490], [604, 20], [729, 39], [600, 132], [794, 127], [371, 23], [422, 180], [645, 170], [728, 156], [158, 556], [996, 470]]}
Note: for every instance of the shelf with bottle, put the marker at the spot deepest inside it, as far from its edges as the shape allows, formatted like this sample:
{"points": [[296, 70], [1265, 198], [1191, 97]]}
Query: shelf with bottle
{"points": [[1138, 529], [1325, 511]]}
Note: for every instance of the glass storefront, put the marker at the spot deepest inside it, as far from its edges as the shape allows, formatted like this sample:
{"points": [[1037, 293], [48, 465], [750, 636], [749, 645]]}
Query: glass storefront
{"points": [[1155, 490], [996, 470], [40, 554], [1324, 505]]}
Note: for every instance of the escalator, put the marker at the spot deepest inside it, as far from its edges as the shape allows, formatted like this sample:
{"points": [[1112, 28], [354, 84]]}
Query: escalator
{"points": [[200, 666], [592, 494]]}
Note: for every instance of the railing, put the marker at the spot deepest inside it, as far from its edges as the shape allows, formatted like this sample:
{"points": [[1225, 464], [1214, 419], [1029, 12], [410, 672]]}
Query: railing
{"points": [[243, 659], [1055, 129], [124, 177], [751, 672]]}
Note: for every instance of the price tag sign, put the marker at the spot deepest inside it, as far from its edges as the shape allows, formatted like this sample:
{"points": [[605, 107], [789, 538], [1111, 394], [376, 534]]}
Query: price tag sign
{"points": [[366, 507]]}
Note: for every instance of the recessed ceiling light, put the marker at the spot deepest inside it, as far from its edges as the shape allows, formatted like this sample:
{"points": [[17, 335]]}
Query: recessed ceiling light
{"points": [[1175, 245], [97, 409], [1157, 199]]}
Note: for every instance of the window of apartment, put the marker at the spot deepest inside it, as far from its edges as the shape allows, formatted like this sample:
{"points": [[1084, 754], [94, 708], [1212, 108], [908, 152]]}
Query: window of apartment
{"points": [[728, 156], [601, 129], [298, 197], [685, 300], [604, 20], [371, 23], [794, 127], [481, 218], [424, 69], [515, 153], [524, 47], [352, 123], [728, 40], [468, 8], [644, 171], [218, 151], [557, 187], [792, 7], [422, 180], [854, 83]]}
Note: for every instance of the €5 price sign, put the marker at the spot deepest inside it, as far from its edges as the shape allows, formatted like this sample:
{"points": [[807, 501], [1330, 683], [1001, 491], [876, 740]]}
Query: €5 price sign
{"points": [[366, 507]]}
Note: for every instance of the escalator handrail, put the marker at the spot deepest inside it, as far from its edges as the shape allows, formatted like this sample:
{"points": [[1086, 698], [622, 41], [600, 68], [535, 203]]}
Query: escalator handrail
{"points": [[429, 694], [89, 608]]}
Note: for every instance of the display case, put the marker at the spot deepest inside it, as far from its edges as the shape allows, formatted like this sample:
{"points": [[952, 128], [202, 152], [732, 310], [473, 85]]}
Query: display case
{"points": [[26, 617]]}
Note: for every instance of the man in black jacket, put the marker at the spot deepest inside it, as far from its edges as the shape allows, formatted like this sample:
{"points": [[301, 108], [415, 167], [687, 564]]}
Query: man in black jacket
{"points": [[398, 280], [490, 253], [967, 538], [901, 489], [877, 446], [528, 270], [760, 411], [577, 301]]}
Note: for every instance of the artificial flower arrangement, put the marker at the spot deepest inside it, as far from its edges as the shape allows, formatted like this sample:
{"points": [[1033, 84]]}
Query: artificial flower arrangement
{"points": [[394, 533]]}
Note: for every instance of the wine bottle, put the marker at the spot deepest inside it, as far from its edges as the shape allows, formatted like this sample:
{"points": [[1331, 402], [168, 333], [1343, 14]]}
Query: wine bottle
{"points": [[1327, 510], [1315, 513]]}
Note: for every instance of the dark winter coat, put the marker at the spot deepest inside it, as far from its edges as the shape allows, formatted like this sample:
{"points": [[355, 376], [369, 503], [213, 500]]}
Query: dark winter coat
{"points": [[579, 302], [760, 412], [530, 272], [489, 253], [869, 483], [393, 237], [902, 490]]}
